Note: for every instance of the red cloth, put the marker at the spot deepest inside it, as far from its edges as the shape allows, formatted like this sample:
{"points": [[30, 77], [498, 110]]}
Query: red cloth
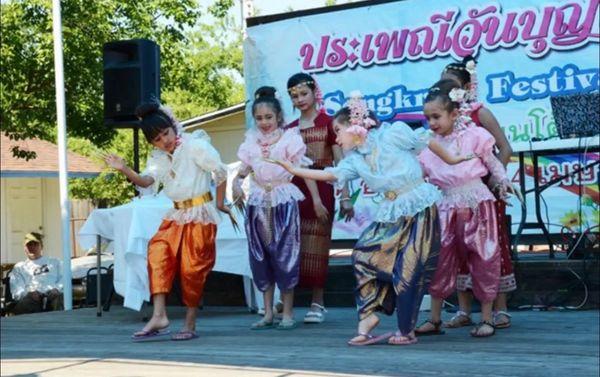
{"points": [[315, 236]]}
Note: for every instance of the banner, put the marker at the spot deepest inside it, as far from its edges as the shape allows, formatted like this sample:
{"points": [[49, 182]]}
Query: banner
{"points": [[527, 51]]}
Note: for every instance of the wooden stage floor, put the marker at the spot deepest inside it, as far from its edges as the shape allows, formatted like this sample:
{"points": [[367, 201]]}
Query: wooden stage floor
{"points": [[78, 343]]}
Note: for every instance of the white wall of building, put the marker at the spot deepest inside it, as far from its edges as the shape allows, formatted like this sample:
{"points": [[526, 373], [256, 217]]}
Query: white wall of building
{"points": [[27, 205]]}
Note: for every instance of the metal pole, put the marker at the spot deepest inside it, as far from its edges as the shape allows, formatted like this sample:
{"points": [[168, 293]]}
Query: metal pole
{"points": [[98, 275], [61, 119]]}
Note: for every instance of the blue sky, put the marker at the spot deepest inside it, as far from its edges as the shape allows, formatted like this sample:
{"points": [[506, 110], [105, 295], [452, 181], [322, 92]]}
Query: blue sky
{"points": [[266, 7]]}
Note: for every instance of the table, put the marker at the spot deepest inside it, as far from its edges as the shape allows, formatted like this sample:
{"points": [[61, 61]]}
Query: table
{"points": [[132, 225], [545, 148]]}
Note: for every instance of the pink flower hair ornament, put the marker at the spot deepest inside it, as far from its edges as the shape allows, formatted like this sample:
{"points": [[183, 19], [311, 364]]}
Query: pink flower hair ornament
{"points": [[360, 122], [359, 111]]}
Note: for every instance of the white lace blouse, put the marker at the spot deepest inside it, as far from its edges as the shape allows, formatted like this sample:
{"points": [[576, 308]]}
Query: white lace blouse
{"points": [[188, 173]]}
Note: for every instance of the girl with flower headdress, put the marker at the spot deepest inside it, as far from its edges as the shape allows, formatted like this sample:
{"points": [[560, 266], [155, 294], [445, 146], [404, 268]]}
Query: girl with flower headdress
{"points": [[184, 245], [396, 255], [272, 215], [467, 212], [465, 74], [318, 209]]}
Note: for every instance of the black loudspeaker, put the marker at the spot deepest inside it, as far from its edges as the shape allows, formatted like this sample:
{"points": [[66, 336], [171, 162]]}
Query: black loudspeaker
{"points": [[576, 115], [131, 76]]}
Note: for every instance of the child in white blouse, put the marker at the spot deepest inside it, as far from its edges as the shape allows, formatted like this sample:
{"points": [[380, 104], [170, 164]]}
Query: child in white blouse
{"points": [[184, 244]]}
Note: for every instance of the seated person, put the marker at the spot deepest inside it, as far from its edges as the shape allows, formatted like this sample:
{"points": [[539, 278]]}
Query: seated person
{"points": [[35, 283]]}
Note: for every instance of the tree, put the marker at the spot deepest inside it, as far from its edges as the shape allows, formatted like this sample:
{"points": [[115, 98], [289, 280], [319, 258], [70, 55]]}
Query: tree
{"points": [[27, 71], [201, 69], [204, 83]]}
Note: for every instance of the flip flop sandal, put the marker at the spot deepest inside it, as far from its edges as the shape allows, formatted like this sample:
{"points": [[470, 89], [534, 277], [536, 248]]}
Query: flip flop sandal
{"points": [[151, 335], [184, 335], [460, 319], [502, 325], [437, 329], [263, 325], [475, 332], [369, 339], [408, 339], [287, 324]]}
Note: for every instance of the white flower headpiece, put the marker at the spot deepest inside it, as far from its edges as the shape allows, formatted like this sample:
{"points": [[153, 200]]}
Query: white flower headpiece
{"points": [[458, 95]]}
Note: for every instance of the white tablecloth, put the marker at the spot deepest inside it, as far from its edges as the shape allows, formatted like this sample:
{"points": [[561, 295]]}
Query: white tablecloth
{"points": [[132, 225]]}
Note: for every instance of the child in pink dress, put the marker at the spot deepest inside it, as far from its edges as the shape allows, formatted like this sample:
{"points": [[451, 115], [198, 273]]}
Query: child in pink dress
{"points": [[467, 212], [464, 73], [272, 214]]}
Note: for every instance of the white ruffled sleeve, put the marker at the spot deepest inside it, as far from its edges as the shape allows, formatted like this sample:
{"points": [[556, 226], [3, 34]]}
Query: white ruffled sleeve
{"points": [[345, 171], [296, 149], [207, 157], [152, 170]]}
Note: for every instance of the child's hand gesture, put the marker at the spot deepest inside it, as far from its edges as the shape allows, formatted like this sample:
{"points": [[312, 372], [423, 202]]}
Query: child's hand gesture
{"points": [[115, 161], [237, 191], [468, 157], [504, 188], [286, 165], [347, 209]]}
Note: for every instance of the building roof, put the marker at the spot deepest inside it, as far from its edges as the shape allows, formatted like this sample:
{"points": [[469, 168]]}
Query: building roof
{"points": [[240, 107], [46, 162]]}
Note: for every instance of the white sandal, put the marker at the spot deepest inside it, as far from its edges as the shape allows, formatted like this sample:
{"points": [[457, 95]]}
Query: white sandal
{"points": [[460, 319], [315, 316]]}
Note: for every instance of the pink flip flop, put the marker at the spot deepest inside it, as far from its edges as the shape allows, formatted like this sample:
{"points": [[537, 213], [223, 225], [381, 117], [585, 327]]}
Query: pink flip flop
{"points": [[151, 335], [184, 335], [370, 339], [408, 339]]}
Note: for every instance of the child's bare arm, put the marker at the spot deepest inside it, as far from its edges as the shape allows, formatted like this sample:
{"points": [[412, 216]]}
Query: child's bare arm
{"points": [[317, 175], [119, 164], [446, 156]]}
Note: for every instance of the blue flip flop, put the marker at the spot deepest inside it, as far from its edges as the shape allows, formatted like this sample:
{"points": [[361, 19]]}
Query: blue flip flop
{"points": [[152, 335], [184, 335]]}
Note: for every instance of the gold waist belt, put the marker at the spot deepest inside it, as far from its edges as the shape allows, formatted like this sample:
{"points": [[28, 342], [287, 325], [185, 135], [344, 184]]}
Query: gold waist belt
{"points": [[195, 201], [393, 194]]}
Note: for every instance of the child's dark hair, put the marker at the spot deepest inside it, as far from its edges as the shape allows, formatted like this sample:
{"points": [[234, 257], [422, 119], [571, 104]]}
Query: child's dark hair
{"points": [[154, 119], [343, 116], [301, 78], [441, 90], [265, 95], [459, 70]]}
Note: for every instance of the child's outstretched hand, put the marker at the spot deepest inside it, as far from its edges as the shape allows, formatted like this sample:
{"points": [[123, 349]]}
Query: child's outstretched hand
{"points": [[347, 210], [469, 156], [286, 165], [504, 188], [115, 161], [237, 192]]}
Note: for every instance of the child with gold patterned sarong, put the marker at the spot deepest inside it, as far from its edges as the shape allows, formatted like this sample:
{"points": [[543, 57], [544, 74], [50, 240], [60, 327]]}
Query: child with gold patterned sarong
{"points": [[396, 255], [317, 210], [184, 245]]}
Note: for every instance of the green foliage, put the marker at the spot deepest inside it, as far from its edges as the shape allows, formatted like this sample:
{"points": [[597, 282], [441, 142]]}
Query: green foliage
{"points": [[201, 69], [27, 88], [110, 188]]}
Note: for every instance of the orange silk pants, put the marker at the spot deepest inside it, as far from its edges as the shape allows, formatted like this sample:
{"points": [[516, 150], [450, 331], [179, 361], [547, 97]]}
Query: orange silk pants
{"points": [[187, 249]]}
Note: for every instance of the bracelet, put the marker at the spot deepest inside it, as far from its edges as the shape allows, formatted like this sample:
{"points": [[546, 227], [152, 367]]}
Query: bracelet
{"points": [[345, 199]]}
